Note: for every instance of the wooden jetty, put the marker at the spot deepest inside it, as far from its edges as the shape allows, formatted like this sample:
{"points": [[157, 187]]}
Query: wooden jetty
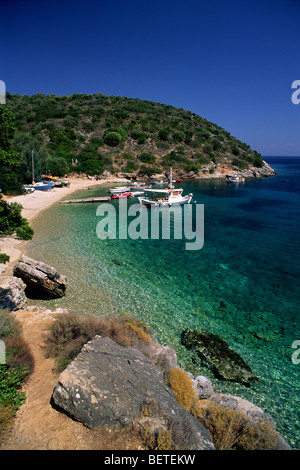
{"points": [[88, 199]]}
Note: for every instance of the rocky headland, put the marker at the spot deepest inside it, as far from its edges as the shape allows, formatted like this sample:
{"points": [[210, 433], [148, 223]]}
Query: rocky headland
{"points": [[211, 170]]}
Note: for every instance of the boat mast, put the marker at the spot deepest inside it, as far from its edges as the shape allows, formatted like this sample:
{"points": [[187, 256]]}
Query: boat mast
{"points": [[171, 186], [32, 161]]}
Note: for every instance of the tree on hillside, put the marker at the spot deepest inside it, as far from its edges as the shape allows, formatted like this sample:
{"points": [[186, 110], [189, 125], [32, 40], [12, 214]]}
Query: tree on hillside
{"points": [[11, 220], [10, 174], [55, 165], [112, 139], [26, 143]]}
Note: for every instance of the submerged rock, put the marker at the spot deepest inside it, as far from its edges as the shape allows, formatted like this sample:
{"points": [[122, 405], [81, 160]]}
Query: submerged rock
{"points": [[226, 362], [40, 277], [108, 385]]}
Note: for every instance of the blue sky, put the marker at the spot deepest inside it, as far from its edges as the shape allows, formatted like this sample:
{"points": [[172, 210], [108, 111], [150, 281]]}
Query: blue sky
{"points": [[232, 62]]}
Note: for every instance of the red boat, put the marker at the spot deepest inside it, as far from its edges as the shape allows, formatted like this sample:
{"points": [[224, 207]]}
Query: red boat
{"points": [[117, 196]]}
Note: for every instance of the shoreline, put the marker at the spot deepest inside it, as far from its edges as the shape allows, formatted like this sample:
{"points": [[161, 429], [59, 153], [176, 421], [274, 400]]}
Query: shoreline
{"points": [[35, 203], [47, 201]]}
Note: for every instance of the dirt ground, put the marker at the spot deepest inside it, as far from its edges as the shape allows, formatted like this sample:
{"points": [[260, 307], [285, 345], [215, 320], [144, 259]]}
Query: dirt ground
{"points": [[37, 425]]}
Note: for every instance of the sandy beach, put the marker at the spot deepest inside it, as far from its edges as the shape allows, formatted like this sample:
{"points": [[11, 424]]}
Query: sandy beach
{"points": [[33, 204]]}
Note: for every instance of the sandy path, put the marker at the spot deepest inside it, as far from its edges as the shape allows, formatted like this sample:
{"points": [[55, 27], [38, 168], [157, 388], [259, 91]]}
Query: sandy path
{"points": [[37, 424]]}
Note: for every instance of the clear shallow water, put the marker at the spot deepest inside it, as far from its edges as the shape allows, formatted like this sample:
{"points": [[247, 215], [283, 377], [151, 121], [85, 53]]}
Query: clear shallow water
{"points": [[243, 285]]}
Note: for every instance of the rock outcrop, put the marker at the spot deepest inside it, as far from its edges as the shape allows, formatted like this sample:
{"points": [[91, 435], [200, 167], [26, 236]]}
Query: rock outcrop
{"points": [[202, 386], [108, 385], [263, 172], [205, 391], [254, 414], [226, 362], [163, 357], [220, 170], [40, 277], [12, 293]]}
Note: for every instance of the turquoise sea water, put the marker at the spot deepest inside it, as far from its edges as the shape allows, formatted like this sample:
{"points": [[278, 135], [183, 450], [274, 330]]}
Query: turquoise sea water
{"points": [[242, 285]]}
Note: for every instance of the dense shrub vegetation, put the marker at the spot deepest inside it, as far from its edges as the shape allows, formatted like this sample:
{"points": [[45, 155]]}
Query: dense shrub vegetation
{"points": [[233, 430], [17, 366], [10, 174], [11, 220], [70, 332], [181, 384], [91, 133]]}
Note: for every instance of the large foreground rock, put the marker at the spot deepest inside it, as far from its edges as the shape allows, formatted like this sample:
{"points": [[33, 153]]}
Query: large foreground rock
{"points": [[227, 363], [108, 385], [12, 293], [40, 277]]}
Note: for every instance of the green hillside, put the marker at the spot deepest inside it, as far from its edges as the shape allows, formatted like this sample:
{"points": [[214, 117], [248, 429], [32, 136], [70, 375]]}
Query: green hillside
{"points": [[93, 133]]}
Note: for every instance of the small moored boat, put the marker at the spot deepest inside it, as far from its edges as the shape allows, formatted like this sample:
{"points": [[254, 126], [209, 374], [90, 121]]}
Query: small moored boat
{"points": [[235, 179], [137, 193], [41, 186], [118, 190], [27, 189], [57, 181], [117, 196], [140, 186], [166, 197], [159, 182]]}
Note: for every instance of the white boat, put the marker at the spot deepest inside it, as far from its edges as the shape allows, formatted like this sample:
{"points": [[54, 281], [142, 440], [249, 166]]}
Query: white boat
{"points": [[166, 197], [139, 185], [28, 189], [159, 182], [42, 186], [120, 189], [235, 179], [137, 193]]}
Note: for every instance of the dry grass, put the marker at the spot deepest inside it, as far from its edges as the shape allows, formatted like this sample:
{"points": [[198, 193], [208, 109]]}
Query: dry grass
{"points": [[139, 332], [233, 430], [17, 350], [162, 440], [66, 336], [229, 429], [162, 431], [182, 386], [6, 419], [156, 432]]}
